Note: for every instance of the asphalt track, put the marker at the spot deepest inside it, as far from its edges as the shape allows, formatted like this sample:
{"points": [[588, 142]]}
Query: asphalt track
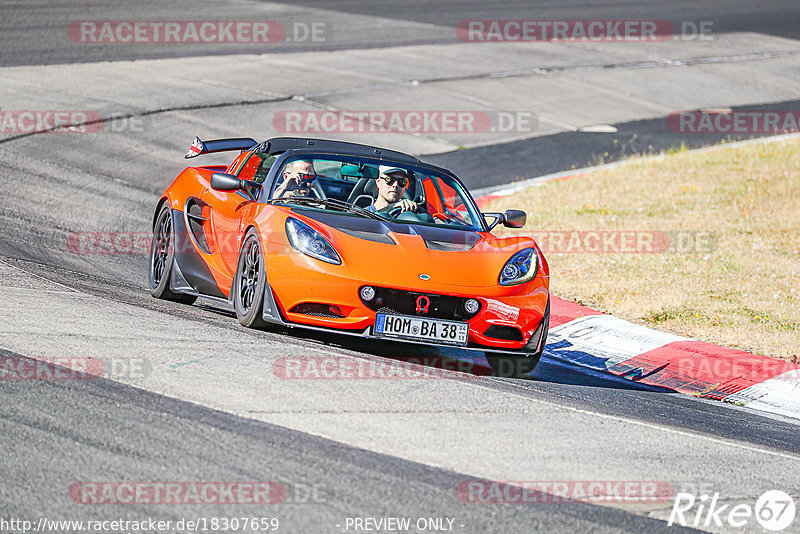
{"points": [[156, 438], [30, 31], [377, 449]]}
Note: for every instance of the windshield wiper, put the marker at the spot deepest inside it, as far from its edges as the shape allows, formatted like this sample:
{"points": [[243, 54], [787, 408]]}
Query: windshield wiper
{"points": [[329, 203]]}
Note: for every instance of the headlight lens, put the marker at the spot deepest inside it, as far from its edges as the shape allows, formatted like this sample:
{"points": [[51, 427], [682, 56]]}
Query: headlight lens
{"points": [[520, 268], [309, 242]]}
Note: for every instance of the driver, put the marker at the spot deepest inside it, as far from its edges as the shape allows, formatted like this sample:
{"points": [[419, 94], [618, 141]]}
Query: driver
{"points": [[391, 182], [298, 176]]}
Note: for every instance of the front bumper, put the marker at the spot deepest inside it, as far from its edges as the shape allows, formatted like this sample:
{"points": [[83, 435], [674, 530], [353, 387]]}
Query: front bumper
{"points": [[532, 320]]}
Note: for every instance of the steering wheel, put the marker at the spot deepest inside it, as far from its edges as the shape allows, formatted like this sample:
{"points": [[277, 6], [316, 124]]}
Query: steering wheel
{"points": [[393, 210]]}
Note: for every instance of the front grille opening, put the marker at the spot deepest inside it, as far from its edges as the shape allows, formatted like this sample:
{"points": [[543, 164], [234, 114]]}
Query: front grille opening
{"points": [[506, 333], [317, 309], [406, 303]]}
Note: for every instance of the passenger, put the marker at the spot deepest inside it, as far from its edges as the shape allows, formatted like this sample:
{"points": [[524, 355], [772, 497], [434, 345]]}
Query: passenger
{"points": [[298, 176], [391, 182]]}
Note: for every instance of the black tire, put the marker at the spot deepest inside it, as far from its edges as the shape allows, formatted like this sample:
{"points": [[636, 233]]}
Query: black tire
{"points": [[162, 254], [509, 366], [250, 282]]}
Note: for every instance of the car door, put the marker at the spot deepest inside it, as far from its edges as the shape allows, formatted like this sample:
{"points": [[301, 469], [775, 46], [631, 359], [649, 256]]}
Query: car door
{"points": [[226, 209]]}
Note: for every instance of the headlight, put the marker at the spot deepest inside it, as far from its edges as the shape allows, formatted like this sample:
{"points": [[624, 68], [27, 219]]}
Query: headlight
{"points": [[309, 242], [520, 268]]}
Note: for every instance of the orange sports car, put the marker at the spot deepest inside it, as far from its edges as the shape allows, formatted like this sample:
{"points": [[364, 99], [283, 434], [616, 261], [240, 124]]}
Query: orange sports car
{"points": [[351, 239]]}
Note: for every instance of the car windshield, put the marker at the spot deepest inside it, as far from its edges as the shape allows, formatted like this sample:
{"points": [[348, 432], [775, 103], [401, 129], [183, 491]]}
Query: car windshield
{"points": [[375, 189]]}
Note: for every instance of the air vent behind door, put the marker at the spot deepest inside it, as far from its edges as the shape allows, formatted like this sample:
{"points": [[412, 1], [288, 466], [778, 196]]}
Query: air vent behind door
{"points": [[197, 214]]}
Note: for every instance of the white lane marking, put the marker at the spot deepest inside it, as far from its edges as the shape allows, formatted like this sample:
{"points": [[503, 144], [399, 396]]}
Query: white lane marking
{"points": [[654, 426], [39, 290], [69, 289]]}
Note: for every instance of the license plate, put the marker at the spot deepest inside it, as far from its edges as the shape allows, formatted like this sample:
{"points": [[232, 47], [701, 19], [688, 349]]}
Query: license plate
{"points": [[437, 330]]}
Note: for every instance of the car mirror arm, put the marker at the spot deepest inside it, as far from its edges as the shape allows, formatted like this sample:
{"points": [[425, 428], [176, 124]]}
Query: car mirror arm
{"points": [[251, 189], [497, 216], [509, 219]]}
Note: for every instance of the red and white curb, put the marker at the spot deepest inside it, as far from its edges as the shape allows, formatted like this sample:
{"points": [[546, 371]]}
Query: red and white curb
{"points": [[590, 339]]}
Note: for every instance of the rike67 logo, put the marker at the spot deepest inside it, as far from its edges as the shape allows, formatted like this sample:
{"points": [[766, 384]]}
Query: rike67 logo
{"points": [[774, 511]]}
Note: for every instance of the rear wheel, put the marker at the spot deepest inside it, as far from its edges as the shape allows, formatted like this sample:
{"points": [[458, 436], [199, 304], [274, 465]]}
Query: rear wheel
{"points": [[506, 365], [250, 282], [162, 255]]}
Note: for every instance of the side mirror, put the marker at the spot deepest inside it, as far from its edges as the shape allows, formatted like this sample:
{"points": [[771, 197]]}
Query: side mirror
{"points": [[228, 182], [225, 182], [514, 219]]}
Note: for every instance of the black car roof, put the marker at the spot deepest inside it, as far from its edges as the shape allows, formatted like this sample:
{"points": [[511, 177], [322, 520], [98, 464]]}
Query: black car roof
{"points": [[278, 145]]}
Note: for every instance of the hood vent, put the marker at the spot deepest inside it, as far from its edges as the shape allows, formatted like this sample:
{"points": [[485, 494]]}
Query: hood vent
{"points": [[369, 236], [448, 245]]}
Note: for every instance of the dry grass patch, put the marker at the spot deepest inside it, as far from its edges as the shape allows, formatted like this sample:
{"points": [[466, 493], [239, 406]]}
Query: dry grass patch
{"points": [[739, 287]]}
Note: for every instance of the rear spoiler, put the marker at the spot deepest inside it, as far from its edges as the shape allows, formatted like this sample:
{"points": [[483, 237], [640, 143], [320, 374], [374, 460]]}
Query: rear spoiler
{"points": [[219, 145]]}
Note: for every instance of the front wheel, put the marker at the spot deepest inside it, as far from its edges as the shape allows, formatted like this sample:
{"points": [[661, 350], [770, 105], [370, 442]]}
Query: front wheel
{"points": [[162, 255], [509, 366], [250, 282]]}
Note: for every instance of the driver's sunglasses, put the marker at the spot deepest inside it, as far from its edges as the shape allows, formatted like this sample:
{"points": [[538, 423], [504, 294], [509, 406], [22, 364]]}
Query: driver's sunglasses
{"points": [[402, 182], [306, 179]]}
